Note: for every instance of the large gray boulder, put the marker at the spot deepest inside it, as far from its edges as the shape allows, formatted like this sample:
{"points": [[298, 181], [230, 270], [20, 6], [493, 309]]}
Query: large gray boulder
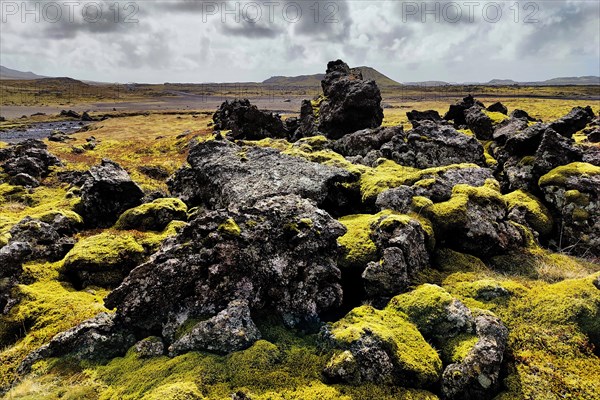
{"points": [[107, 192], [223, 174], [246, 121], [350, 103], [433, 145], [278, 256]]}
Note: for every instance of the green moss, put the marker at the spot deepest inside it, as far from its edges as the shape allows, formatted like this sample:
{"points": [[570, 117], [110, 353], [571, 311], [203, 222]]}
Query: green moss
{"points": [[572, 301], [536, 214], [452, 261], [496, 117], [457, 348], [318, 142], [490, 161], [45, 309], [467, 132], [49, 216], [104, 251], [385, 176], [578, 198], [425, 306], [153, 216], [229, 227], [175, 391], [414, 356], [453, 212], [580, 214], [358, 247], [558, 176]]}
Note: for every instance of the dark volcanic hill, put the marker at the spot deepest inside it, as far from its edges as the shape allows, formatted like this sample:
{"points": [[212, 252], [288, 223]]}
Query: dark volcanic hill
{"points": [[315, 79]]}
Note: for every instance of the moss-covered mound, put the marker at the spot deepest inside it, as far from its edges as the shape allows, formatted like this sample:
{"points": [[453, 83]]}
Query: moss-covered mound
{"points": [[154, 216]]}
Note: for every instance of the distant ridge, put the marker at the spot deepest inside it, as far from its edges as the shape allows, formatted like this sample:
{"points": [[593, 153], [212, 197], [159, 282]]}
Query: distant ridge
{"points": [[315, 79], [7, 73]]}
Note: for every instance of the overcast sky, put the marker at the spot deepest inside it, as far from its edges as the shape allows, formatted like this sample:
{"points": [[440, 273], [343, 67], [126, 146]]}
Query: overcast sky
{"points": [[215, 41]]}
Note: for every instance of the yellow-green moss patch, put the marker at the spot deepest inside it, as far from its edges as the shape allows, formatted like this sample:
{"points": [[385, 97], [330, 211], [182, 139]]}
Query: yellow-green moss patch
{"points": [[154, 216], [558, 176], [537, 215]]}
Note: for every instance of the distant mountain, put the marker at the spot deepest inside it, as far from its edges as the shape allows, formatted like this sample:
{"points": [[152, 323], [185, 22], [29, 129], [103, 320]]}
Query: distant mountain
{"points": [[572, 80], [503, 82], [428, 83], [315, 79], [7, 73]]}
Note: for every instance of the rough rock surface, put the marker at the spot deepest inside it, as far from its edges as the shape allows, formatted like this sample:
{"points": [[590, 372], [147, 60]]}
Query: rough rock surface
{"points": [[415, 117], [508, 128], [479, 123], [456, 112], [246, 121], [478, 375], [107, 192], [350, 103], [433, 145], [574, 199], [30, 158], [402, 246], [278, 255], [574, 121], [364, 141], [97, 339], [230, 330], [223, 174], [498, 107]]}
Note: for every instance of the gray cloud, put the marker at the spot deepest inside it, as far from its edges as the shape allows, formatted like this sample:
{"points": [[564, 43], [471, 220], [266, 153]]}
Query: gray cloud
{"points": [[178, 37]]}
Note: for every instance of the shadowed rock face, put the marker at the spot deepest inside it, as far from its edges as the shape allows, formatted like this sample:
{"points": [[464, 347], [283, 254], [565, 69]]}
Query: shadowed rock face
{"points": [[223, 174], [433, 145], [246, 121], [350, 103], [278, 255], [27, 162], [107, 192]]}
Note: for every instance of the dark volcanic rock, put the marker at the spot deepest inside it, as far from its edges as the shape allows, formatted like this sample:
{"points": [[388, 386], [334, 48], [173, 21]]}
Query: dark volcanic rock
{"points": [[522, 115], [246, 121], [278, 256], [95, 339], [29, 157], [479, 123], [498, 107], [456, 112], [350, 103], [107, 192], [508, 128], [554, 150], [223, 174], [230, 330], [573, 194], [415, 117], [433, 145], [478, 375], [574, 121], [402, 245], [362, 142]]}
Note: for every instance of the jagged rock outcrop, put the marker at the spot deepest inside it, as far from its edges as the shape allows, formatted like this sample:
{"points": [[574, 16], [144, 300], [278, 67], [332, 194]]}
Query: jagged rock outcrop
{"points": [[362, 142], [107, 192], [224, 174], [573, 194], [246, 121], [350, 103], [498, 107], [28, 162], [278, 256], [230, 330], [416, 116], [438, 187], [95, 339], [456, 112], [475, 220], [433, 145], [401, 244], [479, 123], [478, 375], [574, 121]]}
